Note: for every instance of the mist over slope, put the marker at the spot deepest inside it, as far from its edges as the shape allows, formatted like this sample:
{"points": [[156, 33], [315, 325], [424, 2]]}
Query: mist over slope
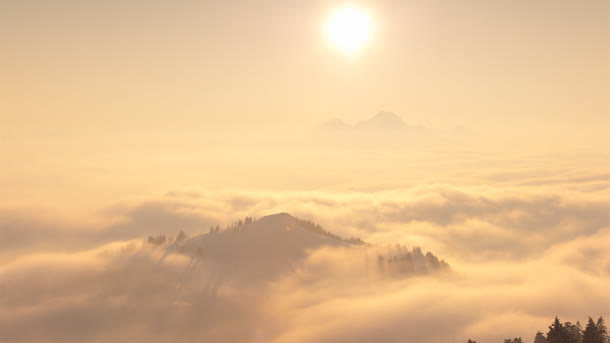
{"points": [[519, 234], [278, 243], [298, 283], [222, 286], [271, 237]]}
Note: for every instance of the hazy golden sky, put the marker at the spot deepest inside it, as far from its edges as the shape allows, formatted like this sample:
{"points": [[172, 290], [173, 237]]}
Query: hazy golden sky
{"points": [[94, 68], [151, 94]]}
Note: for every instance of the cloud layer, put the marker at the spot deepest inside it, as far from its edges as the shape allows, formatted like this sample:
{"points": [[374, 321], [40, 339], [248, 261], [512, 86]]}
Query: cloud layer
{"points": [[135, 292], [521, 252]]}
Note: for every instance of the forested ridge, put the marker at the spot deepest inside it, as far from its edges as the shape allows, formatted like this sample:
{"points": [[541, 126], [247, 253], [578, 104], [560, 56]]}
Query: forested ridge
{"points": [[593, 332], [392, 260]]}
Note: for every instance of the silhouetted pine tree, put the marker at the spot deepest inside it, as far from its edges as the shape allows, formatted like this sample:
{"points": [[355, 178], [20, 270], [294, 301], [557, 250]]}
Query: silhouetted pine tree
{"points": [[574, 332], [590, 334], [316, 228], [602, 330], [557, 333], [540, 338], [181, 236], [157, 240]]}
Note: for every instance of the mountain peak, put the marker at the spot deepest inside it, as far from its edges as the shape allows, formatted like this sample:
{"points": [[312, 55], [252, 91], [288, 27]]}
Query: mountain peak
{"points": [[385, 115], [277, 215], [383, 120], [276, 220], [273, 242]]}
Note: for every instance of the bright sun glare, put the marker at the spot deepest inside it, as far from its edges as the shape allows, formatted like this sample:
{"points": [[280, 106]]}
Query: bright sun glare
{"points": [[349, 29]]}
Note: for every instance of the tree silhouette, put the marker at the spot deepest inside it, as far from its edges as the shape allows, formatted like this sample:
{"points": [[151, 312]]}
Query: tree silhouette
{"points": [[590, 334], [574, 332], [557, 333], [602, 330], [540, 338], [156, 240], [181, 236]]}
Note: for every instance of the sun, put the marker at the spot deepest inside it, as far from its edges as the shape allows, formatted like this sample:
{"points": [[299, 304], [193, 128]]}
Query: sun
{"points": [[349, 29]]}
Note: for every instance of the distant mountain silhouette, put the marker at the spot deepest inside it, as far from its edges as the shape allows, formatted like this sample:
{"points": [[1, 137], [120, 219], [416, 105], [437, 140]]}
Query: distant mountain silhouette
{"points": [[382, 122], [386, 121]]}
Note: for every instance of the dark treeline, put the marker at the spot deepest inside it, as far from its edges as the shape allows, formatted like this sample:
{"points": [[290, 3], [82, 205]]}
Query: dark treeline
{"points": [[594, 332], [238, 225], [157, 240], [162, 239], [316, 228], [402, 261]]}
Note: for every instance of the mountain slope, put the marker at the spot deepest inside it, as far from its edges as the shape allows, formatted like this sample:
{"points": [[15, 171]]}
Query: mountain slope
{"points": [[260, 250], [278, 236]]}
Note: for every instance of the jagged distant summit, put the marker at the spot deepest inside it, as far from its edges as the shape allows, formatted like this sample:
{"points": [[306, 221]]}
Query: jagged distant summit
{"points": [[383, 120]]}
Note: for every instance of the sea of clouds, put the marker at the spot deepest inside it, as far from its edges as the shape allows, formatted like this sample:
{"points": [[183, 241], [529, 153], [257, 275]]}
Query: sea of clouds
{"points": [[522, 250]]}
